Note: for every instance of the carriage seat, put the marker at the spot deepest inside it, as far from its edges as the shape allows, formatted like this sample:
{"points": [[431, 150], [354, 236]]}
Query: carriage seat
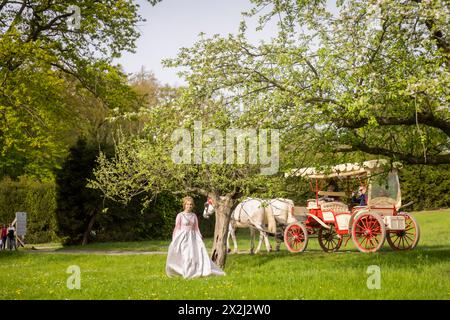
{"points": [[336, 207], [312, 204]]}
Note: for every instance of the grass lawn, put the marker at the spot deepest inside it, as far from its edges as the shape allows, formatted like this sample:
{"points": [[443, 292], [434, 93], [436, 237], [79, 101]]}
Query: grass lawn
{"points": [[423, 273]]}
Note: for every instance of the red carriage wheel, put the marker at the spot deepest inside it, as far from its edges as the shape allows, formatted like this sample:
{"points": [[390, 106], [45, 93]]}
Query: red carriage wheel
{"points": [[329, 240], [405, 239], [368, 232], [296, 237]]}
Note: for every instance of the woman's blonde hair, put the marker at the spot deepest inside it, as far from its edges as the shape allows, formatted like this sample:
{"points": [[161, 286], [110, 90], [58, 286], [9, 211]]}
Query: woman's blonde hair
{"points": [[186, 199]]}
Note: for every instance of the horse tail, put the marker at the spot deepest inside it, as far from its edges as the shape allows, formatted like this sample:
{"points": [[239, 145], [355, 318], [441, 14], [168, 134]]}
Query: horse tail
{"points": [[271, 223], [291, 212]]}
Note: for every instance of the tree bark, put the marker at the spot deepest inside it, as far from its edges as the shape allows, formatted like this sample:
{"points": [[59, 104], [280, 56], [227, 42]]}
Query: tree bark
{"points": [[222, 206], [89, 228]]}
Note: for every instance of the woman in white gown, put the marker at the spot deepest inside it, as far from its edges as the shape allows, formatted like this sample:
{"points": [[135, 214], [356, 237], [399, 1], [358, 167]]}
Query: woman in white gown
{"points": [[187, 255]]}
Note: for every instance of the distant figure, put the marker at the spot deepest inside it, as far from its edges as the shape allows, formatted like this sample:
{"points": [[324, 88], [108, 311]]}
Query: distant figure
{"points": [[12, 237], [360, 199], [187, 255], [4, 232], [331, 188]]}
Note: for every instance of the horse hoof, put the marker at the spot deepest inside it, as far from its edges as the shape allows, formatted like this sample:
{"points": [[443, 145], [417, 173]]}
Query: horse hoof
{"points": [[228, 250]]}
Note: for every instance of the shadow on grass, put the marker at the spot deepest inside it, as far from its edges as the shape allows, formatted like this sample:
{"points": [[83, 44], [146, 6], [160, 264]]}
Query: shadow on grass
{"points": [[433, 247], [439, 253], [426, 255]]}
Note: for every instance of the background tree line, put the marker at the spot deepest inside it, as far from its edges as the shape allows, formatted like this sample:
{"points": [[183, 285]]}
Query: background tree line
{"points": [[427, 186]]}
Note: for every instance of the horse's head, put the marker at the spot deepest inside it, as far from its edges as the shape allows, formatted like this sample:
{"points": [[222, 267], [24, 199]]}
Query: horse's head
{"points": [[209, 209]]}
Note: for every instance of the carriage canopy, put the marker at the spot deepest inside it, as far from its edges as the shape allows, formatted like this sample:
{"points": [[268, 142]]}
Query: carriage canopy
{"points": [[344, 170], [383, 190]]}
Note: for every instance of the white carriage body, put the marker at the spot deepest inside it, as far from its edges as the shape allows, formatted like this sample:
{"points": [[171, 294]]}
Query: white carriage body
{"points": [[394, 222], [343, 220], [379, 219]]}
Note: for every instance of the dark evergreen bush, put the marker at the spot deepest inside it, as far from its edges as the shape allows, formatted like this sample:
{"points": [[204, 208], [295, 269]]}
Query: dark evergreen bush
{"points": [[77, 206]]}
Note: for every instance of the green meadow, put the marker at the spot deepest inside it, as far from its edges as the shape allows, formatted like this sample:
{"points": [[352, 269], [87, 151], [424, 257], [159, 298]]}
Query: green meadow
{"points": [[422, 273]]}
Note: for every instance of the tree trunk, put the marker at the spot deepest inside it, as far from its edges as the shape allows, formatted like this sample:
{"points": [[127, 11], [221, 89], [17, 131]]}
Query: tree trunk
{"points": [[89, 228], [223, 213]]}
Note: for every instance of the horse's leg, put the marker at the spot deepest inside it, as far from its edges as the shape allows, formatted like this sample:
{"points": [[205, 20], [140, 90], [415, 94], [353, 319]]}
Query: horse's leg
{"points": [[252, 240], [228, 239], [259, 242], [278, 239], [233, 236], [265, 236]]}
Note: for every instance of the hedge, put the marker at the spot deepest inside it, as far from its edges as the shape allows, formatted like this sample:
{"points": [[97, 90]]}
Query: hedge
{"points": [[35, 198]]}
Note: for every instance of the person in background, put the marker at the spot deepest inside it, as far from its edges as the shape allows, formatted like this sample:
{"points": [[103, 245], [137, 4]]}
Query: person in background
{"points": [[360, 199], [12, 237], [4, 232], [332, 187]]}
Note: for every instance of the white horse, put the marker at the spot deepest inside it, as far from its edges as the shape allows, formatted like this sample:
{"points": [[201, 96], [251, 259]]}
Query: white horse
{"points": [[255, 214]]}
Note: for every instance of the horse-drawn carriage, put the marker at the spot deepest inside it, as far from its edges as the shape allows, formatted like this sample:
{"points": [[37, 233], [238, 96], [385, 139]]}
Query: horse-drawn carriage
{"points": [[368, 225]]}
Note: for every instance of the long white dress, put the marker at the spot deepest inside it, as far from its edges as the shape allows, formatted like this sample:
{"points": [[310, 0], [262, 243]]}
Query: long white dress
{"points": [[187, 255]]}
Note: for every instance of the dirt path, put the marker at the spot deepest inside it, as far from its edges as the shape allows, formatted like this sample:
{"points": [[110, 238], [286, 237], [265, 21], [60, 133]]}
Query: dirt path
{"points": [[88, 251], [101, 252]]}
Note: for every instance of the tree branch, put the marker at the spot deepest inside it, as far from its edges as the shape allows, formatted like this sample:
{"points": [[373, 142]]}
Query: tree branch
{"points": [[35, 32], [375, 51], [18, 16], [4, 2], [426, 118], [405, 157], [199, 191], [78, 77], [438, 36]]}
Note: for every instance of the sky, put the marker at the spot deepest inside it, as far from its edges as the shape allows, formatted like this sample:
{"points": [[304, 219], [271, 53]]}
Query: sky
{"points": [[173, 24]]}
